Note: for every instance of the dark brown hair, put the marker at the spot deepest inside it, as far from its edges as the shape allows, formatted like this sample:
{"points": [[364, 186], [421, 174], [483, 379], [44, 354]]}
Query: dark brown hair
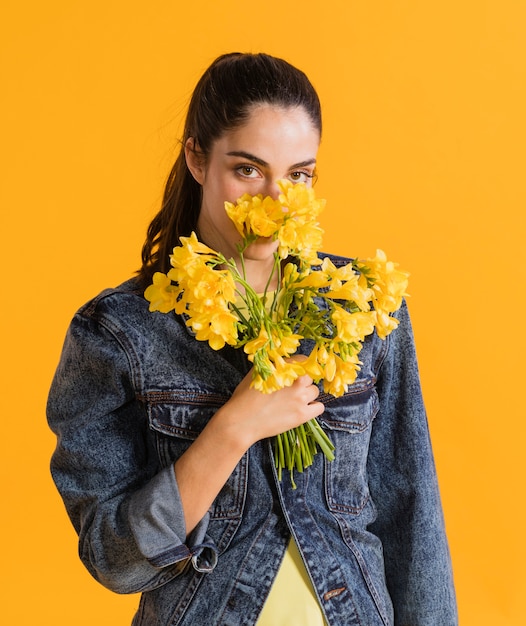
{"points": [[221, 101]]}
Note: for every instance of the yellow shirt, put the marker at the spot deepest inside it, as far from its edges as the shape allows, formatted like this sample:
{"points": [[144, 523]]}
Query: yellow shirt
{"points": [[292, 601]]}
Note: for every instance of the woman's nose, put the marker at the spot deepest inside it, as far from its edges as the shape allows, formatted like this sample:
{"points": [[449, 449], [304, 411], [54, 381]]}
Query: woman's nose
{"points": [[272, 189]]}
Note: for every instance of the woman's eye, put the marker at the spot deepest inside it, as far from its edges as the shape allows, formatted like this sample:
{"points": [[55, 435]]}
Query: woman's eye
{"points": [[300, 177], [247, 171]]}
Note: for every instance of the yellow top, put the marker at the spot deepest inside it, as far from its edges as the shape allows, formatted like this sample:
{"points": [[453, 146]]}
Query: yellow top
{"points": [[292, 601]]}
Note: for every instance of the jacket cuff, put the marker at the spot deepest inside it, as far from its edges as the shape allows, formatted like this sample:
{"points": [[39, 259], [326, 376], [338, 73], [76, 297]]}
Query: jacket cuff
{"points": [[157, 523]]}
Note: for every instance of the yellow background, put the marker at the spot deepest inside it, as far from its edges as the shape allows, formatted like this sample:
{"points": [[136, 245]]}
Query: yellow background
{"points": [[423, 155]]}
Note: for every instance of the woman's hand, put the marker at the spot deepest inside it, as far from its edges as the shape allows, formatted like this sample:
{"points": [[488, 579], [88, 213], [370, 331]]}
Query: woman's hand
{"points": [[247, 417], [251, 415]]}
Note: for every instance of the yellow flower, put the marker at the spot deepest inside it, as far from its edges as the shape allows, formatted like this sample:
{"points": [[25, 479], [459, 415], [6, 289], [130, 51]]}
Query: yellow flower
{"points": [[161, 294], [251, 347], [268, 353], [286, 343], [300, 233], [238, 212], [337, 372], [282, 374], [327, 359], [207, 284], [265, 217], [280, 343], [255, 215], [385, 324], [352, 327], [311, 365], [193, 246], [300, 201], [215, 324], [344, 372], [346, 284], [315, 279], [189, 258], [300, 239], [338, 275], [352, 291], [390, 283], [292, 218], [389, 288]]}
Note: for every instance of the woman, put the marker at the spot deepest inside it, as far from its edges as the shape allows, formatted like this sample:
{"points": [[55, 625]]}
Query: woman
{"points": [[164, 458]]}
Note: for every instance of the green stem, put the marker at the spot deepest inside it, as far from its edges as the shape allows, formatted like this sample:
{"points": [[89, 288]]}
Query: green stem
{"points": [[294, 449], [326, 445]]}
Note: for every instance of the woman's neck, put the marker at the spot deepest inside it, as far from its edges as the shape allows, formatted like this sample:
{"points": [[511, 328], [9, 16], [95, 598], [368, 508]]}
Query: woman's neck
{"points": [[260, 274]]}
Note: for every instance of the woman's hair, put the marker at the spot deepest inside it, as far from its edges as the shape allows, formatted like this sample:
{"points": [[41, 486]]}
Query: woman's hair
{"points": [[222, 100]]}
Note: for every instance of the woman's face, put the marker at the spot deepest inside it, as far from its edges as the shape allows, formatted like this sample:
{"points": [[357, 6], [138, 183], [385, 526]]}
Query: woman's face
{"points": [[274, 143]]}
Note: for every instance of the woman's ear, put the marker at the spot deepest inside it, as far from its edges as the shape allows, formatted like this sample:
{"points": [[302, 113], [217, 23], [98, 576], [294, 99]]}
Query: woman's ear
{"points": [[195, 159]]}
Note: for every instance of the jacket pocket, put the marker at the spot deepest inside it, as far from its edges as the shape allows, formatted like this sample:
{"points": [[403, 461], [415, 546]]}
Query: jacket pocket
{"points": [[348, 421], [176, 419]]}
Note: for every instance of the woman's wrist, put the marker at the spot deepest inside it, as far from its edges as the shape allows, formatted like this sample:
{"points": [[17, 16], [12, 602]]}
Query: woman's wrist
{"points": [[228, 430]]}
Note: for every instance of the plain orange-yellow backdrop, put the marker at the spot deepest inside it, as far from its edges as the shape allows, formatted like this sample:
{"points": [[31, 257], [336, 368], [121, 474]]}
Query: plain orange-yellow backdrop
{"points": [[422, 155]]}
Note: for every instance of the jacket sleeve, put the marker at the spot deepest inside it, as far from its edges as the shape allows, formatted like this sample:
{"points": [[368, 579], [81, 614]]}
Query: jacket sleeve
{"points": [[403, 485], [125, 508]]}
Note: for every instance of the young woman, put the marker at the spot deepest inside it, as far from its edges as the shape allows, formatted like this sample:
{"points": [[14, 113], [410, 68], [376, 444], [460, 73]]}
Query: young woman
{"points": [[164, 455]]}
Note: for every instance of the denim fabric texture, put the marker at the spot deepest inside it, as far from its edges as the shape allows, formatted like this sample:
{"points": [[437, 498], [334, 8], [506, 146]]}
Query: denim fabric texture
{"points": [[133, 389]]}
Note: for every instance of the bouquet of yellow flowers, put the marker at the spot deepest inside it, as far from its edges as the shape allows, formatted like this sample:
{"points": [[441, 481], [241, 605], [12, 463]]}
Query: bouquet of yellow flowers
{"points": [[334, 307]]}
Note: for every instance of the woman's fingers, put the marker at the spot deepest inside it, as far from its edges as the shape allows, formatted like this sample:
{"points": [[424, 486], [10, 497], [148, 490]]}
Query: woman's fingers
{"points": [[261, 415]]}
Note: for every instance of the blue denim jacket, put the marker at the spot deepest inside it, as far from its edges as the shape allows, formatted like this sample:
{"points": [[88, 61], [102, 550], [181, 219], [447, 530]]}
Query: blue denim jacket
{"points": [[133, 390]]}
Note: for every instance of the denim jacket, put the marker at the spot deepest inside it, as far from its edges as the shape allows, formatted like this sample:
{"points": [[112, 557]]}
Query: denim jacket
{"points": [[133, 389]]}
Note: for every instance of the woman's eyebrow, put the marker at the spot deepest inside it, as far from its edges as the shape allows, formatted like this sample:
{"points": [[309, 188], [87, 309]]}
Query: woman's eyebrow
{"points": [[255, 159], [303, 164], [248, 156]]}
